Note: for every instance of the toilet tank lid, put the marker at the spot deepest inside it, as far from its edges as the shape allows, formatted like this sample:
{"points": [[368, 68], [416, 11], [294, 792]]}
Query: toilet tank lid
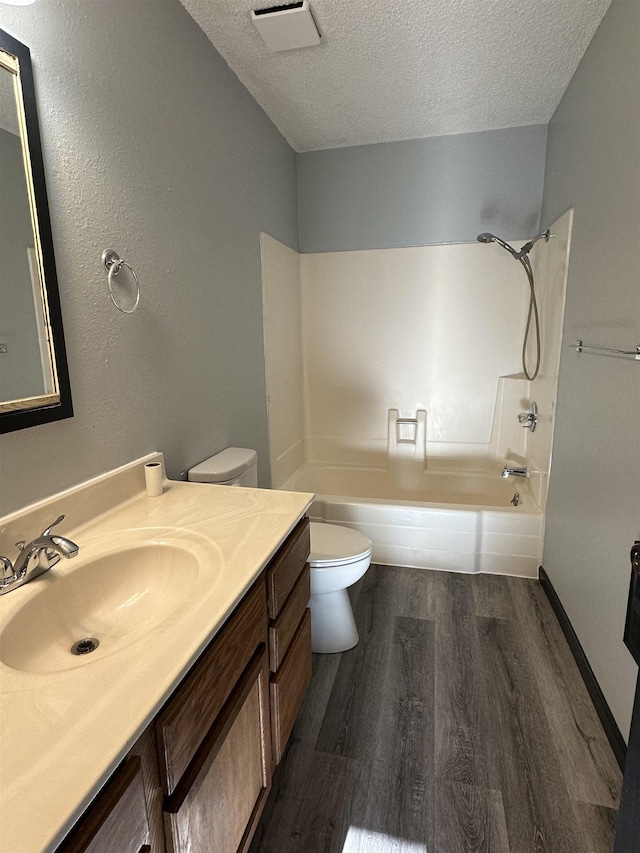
{"points": [[331, 543], [223, 466]]}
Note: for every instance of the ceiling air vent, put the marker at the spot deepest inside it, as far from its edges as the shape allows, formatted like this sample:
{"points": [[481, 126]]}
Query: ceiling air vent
{"points": [[287, 27]]}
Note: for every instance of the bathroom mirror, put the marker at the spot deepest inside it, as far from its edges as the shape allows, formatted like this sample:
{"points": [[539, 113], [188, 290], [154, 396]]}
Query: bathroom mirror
{"points": [[34, 380]]}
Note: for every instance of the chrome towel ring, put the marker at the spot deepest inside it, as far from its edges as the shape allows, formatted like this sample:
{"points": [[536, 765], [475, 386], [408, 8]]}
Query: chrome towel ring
{"points": [[113, 264]]}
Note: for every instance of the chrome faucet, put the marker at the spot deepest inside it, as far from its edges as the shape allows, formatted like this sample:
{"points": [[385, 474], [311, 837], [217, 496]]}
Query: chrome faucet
{"points": [[35, 558], [515, 472]]}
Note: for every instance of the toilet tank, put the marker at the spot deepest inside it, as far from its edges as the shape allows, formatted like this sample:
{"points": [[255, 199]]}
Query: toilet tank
{"points": [[235, 466]]}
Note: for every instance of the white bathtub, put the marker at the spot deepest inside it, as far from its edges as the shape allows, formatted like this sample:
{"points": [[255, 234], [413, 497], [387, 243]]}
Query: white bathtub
{"points": [[454, 521]]}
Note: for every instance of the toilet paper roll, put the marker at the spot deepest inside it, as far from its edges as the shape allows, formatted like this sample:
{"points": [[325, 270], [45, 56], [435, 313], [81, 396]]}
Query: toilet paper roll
{"points": [[153, 479]]}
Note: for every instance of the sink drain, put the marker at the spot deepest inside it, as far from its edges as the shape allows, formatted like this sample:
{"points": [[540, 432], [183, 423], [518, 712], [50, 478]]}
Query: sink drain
{"points": [[85, 647]]}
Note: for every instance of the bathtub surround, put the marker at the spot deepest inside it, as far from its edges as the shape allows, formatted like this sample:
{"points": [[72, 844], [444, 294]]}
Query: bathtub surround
{"points": [[551, 268], [433, 333], [282, 331], [431, 327], [444, 189], [434, 327], [181, 182], [407, 407]]}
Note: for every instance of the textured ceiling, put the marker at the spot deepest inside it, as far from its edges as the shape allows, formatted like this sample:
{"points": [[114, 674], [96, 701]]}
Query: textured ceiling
{"points": [[405, 70]]}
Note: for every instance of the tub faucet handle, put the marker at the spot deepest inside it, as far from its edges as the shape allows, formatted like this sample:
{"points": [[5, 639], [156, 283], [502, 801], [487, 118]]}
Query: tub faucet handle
{"points": [[529, 419]]}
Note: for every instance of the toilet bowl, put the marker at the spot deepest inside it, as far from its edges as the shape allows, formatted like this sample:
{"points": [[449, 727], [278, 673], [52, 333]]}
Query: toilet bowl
{"points": [[339, 556]]}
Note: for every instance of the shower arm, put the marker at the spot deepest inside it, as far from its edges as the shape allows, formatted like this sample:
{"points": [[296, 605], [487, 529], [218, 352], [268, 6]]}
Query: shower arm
{"points": [[524, 251]]}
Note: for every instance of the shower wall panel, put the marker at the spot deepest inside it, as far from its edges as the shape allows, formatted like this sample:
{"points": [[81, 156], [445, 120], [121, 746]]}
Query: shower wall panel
{"points": [[550, 265], [430, 328], [351, 335], [283, 356]]}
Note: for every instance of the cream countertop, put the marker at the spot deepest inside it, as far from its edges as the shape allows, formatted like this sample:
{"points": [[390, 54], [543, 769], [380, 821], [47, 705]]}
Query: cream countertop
{"points": [[63, 733]]}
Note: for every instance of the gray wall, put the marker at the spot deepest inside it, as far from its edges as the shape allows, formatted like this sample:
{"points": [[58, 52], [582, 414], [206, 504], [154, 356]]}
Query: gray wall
{"points": [[440, 190], [20, 367], [153, 147], [593, 512]]}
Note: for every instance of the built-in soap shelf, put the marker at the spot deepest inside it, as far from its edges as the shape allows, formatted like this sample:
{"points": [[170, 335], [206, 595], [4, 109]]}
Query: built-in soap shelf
{"points": [[407, 436]]}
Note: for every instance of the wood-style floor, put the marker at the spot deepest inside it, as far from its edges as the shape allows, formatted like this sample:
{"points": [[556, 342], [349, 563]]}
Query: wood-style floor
{"points": [[459, 724]]}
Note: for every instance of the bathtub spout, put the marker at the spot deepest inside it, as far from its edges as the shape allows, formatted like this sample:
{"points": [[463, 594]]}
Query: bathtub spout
{"points": [[515, 472]]}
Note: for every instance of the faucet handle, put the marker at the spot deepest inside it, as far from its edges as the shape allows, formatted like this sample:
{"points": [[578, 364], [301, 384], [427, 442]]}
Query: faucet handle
{"points": [[7, 572], [47, 532], [529, 419]]}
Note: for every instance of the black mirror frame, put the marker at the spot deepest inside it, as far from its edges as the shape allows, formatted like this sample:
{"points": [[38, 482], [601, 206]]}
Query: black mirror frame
{"points": [[22, 418]]}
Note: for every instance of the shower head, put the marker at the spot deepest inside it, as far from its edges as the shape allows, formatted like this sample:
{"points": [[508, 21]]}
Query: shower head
{"points": [[486, 237]]}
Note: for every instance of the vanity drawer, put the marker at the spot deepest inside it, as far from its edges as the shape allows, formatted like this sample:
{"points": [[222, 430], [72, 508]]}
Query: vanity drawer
{"points": [[289, 686], [283, 629], [118, 818], [286, 567], [183, 724]]}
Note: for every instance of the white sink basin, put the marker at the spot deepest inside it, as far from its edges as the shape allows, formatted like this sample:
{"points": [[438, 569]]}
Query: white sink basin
{"points": [[114, 597]]}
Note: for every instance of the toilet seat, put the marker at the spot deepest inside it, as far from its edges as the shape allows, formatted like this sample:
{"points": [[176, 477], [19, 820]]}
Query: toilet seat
{"points": [[333, 546]]}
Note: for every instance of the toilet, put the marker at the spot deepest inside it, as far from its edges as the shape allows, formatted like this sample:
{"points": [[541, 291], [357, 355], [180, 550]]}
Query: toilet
{"points": [[339, 555], [235, 466]]}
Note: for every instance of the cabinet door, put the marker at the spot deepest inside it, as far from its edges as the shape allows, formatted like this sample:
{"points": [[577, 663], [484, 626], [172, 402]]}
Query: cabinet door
{"points": [[198, 702], [118, 818], [220, 797]]}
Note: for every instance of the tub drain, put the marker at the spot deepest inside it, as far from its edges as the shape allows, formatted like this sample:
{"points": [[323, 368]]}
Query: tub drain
{"points": [[84, 647]]}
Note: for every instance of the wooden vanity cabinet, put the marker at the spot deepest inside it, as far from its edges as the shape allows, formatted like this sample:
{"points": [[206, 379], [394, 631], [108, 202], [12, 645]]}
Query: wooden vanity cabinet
{"points": [[220, 806], [288, 592], [214, 740], [289, 685], [127, 814], [198, 778], [118, 819]]}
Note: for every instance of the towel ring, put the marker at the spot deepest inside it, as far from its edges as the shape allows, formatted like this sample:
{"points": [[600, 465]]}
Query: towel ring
{"points": [[113, 264]]}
